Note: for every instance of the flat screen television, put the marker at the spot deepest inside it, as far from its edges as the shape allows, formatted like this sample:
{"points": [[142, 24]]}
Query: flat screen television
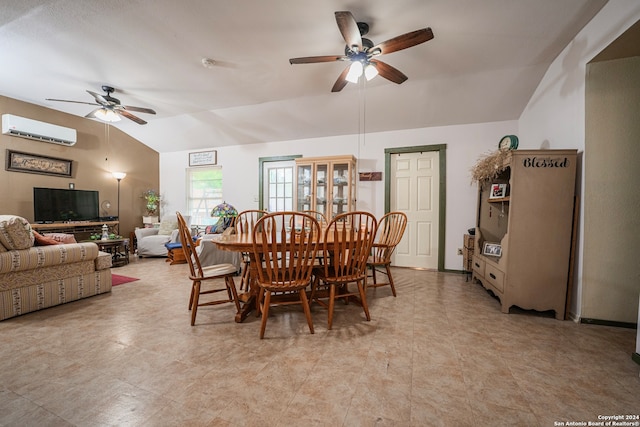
{"points": [[62, 205]]}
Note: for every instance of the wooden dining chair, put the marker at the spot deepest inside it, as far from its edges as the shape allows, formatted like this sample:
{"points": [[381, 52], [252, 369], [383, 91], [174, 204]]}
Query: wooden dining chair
{"points": [[199, 274], [346, 245], [244, 224], [390, 231], [319, 216], [287, 255]]}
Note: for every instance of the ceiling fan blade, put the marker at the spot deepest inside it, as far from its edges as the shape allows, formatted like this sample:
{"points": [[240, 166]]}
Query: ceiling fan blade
{"points": [[75, 102], [314, 59], [402, 42], [349, 30], [139, 109], [99, 98], [342, 80], [389, 72], [130, 116]]}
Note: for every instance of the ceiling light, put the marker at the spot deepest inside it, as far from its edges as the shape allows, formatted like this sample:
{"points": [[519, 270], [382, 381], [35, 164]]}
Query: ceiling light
{"points": [[107, 115], [355, 71], [370, 71]]}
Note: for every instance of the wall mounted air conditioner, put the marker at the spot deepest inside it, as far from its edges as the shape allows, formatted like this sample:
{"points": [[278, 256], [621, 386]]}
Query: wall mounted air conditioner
{"points": [[40, 131]]}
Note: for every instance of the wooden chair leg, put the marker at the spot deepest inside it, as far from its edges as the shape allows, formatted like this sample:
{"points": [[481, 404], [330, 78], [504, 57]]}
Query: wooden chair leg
{"points": [[193, 287], [196, 298], [363, 298], [232, 285], [332, 301], [265, 312], [259, 299], [314, 284], [393, 288], [307, 310]]}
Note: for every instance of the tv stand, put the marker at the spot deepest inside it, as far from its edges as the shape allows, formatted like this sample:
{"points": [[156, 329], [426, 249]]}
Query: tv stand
{"points": [[81, 230]]}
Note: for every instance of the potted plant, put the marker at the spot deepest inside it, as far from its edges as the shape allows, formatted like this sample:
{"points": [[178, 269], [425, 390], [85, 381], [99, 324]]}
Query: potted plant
{"points": [[152, 206]]}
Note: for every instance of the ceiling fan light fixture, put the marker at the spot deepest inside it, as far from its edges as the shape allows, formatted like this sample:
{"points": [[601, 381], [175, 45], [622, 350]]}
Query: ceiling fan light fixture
{"points": [[355, 71], [370, 71], [107, 115]]}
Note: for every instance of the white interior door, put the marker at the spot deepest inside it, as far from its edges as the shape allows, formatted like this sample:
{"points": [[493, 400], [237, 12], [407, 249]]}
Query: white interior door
{"points": [[415, 191]]}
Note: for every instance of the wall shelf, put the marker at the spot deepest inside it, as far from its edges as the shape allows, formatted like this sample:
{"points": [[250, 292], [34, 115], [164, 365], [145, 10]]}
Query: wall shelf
{"points": [[500, 200]]}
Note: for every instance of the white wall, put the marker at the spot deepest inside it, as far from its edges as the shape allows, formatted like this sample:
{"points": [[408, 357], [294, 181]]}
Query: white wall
{"points": [[555, 115], [465, 144], [554, 118], [610, 284]]}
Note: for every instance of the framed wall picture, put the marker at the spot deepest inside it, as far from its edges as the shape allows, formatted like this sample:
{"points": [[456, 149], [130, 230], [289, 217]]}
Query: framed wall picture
{"points": [[203, 158], [498, 191], [492, 249], [34, 163]]}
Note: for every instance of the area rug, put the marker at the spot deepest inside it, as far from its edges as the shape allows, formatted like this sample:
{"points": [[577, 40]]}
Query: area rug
{"points": [[116, 279]]}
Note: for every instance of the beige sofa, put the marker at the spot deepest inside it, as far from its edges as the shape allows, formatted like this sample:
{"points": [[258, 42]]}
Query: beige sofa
{"points": [[37, 277]]}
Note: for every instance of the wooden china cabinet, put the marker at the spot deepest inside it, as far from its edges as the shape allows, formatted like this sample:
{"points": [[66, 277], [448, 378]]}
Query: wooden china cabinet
{"points": [[527, 222], [326, 184]]}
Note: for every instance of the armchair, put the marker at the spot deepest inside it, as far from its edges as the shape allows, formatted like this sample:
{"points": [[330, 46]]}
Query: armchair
{"points": [[151, 241]]}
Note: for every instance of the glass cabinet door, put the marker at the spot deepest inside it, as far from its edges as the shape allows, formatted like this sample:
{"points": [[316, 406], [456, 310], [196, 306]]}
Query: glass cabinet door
{"points": [[304, 189], [340, 193], [321, 188]]}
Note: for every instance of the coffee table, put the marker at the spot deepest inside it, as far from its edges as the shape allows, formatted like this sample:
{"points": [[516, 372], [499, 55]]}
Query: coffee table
{"points": [[118, 248]]}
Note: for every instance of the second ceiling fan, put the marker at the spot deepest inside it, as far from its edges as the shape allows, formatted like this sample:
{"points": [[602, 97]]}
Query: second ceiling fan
{"points": [[109, 108], [362, 53]]}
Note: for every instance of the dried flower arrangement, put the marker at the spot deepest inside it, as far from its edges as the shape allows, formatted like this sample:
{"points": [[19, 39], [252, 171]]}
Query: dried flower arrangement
{"points": [[488, 166]]}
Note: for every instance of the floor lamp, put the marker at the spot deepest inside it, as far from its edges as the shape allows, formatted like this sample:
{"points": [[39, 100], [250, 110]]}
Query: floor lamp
{"points": [[119, 176]]}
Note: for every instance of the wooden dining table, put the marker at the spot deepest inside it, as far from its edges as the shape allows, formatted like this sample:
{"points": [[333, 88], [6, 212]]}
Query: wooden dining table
{"points": [[244, 243]]}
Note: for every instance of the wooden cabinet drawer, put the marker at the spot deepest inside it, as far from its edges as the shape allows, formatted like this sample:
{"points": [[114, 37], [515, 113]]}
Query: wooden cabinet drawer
{"points": [[478, 266], [494, 276]]}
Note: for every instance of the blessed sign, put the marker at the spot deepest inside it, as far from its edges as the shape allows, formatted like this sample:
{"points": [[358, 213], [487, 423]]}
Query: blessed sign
{"points": [[545, 162]]}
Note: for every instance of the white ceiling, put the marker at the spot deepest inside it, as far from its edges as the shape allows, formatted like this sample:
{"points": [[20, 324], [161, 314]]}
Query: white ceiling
{"points": [[486, 59]]}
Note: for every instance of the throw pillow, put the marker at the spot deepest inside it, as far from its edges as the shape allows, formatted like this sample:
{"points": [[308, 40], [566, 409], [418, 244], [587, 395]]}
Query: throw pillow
{"points": [[61, 237], [41, 240], [167, 225], [2, 248], [15, 232]]}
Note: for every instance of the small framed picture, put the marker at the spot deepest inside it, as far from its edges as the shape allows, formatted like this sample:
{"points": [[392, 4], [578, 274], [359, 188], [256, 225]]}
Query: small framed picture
{"points": [[492, 249], [498, 191]]}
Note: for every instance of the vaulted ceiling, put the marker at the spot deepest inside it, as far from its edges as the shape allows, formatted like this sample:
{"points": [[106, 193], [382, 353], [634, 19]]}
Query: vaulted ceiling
{"points": [[483, 65]]}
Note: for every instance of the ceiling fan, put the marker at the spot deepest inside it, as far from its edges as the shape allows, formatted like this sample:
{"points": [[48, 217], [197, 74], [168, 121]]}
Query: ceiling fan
{"points": [[361, 52], [110, 109]]}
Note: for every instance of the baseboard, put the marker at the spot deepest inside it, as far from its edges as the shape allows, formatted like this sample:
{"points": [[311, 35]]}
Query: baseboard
{"points": [[635, 357], [449, 270], [628, 325]]}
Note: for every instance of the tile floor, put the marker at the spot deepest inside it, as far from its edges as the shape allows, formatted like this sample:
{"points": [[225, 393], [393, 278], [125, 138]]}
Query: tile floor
{"points": [[440, 354]]}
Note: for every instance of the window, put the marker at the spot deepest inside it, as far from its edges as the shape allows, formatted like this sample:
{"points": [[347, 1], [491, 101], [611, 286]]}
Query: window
{"points": [[204, 192], [280, 189]]}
